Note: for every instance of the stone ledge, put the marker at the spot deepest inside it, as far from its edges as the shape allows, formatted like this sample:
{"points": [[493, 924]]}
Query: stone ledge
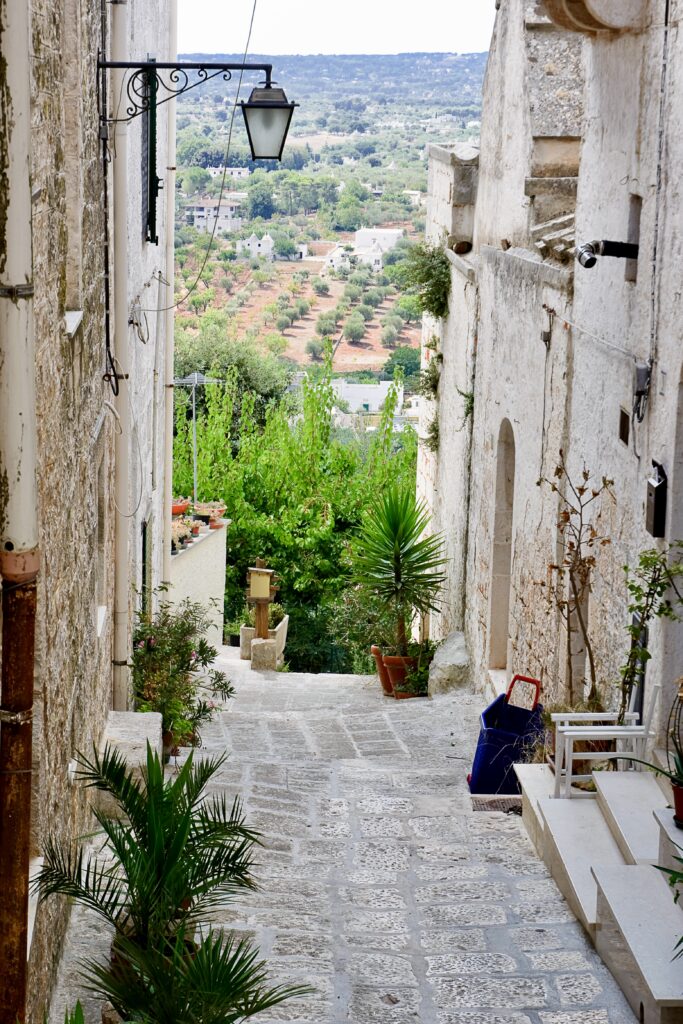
{"points": [[461, 265], [544, 273], [128, 732], [460, 153], [558, 186]]}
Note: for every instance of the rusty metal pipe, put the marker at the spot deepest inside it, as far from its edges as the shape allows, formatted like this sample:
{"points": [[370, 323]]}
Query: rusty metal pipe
{"points": [[16, 737], [19, 559]]}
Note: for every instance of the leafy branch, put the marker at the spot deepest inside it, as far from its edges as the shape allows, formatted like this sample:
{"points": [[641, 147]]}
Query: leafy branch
{"points": [[573, 574]]}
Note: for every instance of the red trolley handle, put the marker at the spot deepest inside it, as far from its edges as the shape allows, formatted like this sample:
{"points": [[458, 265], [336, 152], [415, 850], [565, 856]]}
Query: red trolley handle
{"points": [[525, 679]]}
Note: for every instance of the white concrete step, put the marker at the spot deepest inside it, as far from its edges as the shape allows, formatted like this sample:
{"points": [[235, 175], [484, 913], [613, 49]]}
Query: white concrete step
{"points": [[537, 782], [577, 839], [670, 852], [628, 801], [638, 927]]}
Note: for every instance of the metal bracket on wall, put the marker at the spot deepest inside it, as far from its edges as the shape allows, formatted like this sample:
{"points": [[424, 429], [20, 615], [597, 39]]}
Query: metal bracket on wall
{"points": [[16, 291], [16, 717], [159, 82]]}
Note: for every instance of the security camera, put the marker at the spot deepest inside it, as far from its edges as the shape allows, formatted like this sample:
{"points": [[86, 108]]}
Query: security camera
{"points": [[586, 256]]}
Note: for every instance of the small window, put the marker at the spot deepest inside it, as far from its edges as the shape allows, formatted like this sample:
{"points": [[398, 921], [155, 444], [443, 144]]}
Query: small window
{"points": [[634, 215], [624, 426]]}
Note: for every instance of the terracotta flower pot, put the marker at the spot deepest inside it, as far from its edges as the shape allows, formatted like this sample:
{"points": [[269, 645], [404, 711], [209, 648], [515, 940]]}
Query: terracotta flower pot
{"points": [[168, 741], [398, 668], [180, 506], [384, 679], [678, 804]]}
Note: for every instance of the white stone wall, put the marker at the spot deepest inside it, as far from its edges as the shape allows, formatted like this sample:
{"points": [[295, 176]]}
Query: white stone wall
{"points": [[198, 573], [149, 28], [547, 384]]}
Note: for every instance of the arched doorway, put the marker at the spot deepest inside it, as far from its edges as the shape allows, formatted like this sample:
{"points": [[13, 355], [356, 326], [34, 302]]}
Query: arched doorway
{"points": [[501, 553]]}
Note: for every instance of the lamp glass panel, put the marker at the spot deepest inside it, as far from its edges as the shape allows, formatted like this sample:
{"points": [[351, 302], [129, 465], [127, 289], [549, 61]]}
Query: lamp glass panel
{"points": [[260, 584], [267, 129]]}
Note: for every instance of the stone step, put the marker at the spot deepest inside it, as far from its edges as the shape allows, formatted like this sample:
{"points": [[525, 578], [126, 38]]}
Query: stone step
{"points": [[564, 223], [537, 782], [670, 850], [576, 839], [638, 927], [628, 801]]}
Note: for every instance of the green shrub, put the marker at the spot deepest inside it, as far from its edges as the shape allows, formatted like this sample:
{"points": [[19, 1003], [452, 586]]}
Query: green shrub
{"points": [[427, 270], [170, 659]]}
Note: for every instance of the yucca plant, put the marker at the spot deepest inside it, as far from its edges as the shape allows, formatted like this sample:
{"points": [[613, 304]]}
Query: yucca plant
{"points": [[170, 858], [396, 561], [222, 981]]}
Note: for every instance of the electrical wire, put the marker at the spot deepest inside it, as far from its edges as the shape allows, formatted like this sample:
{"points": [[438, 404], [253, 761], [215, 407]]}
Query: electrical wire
{"points": [[193, 287], [596, 337]]}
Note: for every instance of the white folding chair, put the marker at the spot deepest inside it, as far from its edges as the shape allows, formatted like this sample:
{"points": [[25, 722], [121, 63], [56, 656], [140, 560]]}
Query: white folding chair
{"points": [[570, 727]]}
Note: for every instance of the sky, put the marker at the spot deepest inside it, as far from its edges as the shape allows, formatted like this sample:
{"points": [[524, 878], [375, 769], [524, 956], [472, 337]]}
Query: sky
{"points": [[331, 26]]}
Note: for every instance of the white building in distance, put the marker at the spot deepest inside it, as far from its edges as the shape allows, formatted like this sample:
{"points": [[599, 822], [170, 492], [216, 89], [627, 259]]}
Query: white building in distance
{"points": [[202, 212], [236, 173], [257, 247], [365, 398]]}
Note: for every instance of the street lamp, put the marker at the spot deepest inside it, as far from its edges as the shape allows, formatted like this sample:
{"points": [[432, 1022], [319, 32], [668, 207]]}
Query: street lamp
{"points": [[267, 112], [267, 116]]}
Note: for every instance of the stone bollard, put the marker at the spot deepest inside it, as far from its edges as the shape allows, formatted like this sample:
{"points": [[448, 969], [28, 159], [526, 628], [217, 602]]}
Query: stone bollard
{"points": [[450, 668], [264, 655]]}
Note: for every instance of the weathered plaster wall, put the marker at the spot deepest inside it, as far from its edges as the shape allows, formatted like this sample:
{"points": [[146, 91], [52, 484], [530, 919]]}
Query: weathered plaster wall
{"points": [[150, 38], [564, 390], [635, 321], [198, 573]]}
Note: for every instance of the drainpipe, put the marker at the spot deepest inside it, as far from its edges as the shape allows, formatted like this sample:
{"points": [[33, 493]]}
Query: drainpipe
{"points": [[170, 311], [119, 47], [19, 556]]}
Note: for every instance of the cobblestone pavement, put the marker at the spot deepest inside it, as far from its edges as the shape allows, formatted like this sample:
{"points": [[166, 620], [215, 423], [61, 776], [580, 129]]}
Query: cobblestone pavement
{"points": [[379, 886]]}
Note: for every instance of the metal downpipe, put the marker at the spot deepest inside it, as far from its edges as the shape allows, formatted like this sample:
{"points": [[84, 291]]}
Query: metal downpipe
{"points": [[19, 555]]}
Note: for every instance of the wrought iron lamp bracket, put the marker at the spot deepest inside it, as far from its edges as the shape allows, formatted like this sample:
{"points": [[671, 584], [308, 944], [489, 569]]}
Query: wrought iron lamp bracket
{"points": [[158, 82]]}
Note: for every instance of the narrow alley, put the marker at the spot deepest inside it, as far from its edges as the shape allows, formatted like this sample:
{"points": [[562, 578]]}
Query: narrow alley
{"points": [[380, 887]]}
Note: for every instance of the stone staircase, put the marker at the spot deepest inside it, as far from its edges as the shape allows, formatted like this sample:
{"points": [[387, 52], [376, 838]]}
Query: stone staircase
{"points": [[602, 850]]}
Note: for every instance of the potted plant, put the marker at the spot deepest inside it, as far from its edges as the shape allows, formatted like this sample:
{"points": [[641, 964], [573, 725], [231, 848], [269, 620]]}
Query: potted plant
{"points": [[207, 511], [171, 670], [416, 682], [674, 755], [395, 562], [172, 855], [179, 506]]}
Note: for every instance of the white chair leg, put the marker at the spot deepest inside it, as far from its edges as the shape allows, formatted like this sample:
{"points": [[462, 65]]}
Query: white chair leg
{"points": [[569, 767], [559, 761]]}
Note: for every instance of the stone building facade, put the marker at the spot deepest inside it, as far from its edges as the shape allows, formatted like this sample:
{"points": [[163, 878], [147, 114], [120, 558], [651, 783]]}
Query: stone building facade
{"points": [[582, 139], [77, 415]]}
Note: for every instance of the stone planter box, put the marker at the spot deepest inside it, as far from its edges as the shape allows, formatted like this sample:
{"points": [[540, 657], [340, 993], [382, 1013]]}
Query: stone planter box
{"points": [[265, 655]]}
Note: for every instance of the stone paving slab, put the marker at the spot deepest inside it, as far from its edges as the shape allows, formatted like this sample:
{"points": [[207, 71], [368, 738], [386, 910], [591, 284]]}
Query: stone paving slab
{"points": [[379, 886]]}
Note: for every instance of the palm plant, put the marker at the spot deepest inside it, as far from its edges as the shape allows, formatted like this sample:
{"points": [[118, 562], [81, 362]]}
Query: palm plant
{"points": [[222, 981], [394, 559], [171, 856]]}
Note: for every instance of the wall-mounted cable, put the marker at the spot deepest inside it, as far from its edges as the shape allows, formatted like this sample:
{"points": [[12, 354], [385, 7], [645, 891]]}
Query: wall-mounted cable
{"points": [[193, 287]]}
